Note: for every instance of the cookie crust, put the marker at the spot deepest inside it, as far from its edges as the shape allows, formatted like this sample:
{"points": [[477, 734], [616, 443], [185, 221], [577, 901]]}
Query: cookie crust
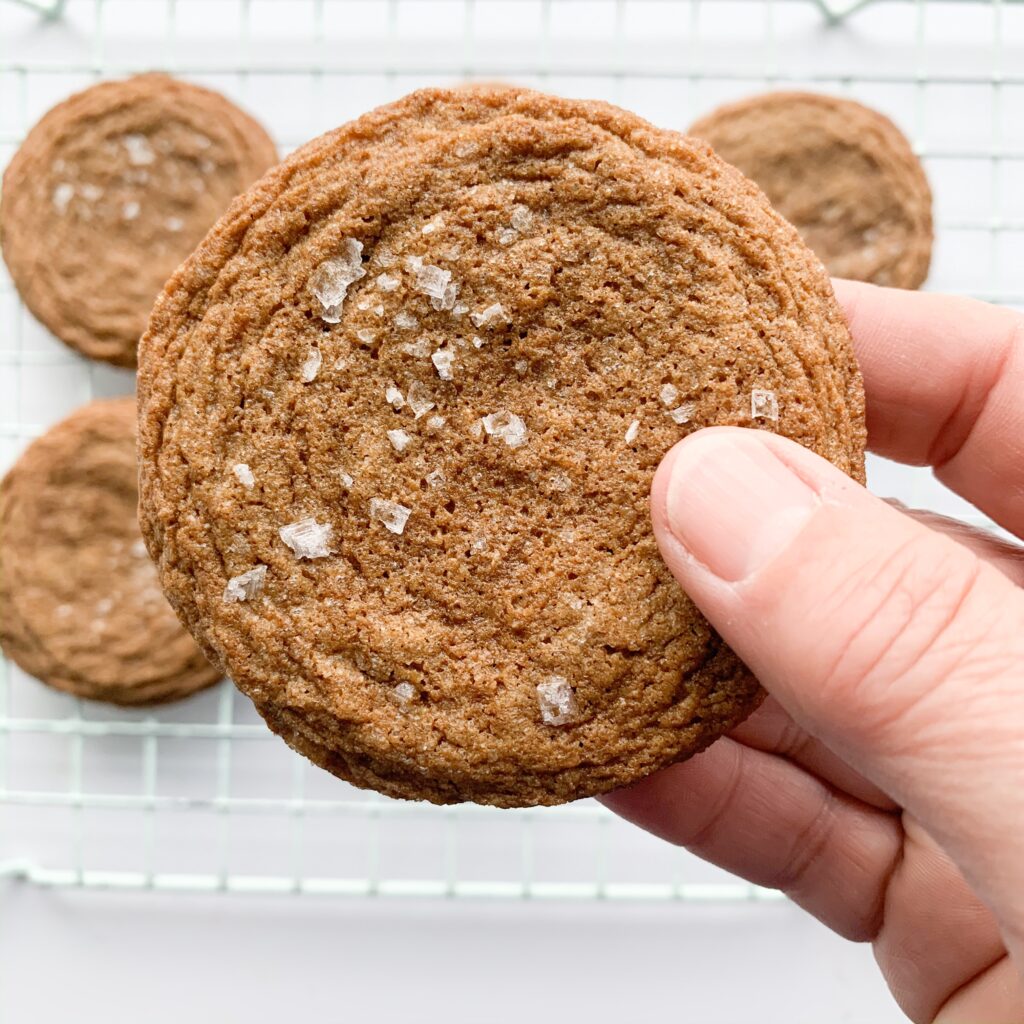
{"points": [[607, 272]]}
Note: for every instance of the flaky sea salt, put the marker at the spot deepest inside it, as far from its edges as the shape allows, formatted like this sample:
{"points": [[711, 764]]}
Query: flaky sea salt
{"points": [[405, 693], [506, 425], [435, 422], [521, 366], [91, 192], [478, 342], [130, 210], [174, 223], [247, 586], [420, 400], [365, 335], [243, 474], [62, 195], [346, 479], [139, 549], [764, 405], [406, 321], [432, 281], [560, 482], [631, 431], [506, 236], [311, 367], [683, 413], [330, 281], [394, 397], [384, 257], [140, 152], [521, 217], [419, 348], [435, 478], [668, 395], [399, 439], [308, 538], [442, 360], [390, 513], [387, 283], [413, 263], [447, 299], [460, 309], [557, 701], [488, 316], [476, 428]]}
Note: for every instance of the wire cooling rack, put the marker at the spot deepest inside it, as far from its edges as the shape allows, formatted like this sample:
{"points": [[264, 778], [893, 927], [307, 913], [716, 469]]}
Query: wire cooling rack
{"points": [[199, 795]]}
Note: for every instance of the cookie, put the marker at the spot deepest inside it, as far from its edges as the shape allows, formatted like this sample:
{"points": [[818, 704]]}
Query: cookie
{"points": [[110, 191], [80, 602], [842, 174], [400, 413]]}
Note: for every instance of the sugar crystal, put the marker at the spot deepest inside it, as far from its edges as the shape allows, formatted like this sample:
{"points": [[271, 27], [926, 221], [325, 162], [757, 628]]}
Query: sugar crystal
{"points": [[442, 360], [399, 440], [394, 397], [406, 321], [763, 405], [631, 431], [488, 316], [311, 367], [244, 474], [390, 513], [308, 538], [557, 701], [506, 425], [330, 281], [668, 395], [387, 283], [62, 195], [140, 152], [247, 586], [419, 399], [684, 413]]}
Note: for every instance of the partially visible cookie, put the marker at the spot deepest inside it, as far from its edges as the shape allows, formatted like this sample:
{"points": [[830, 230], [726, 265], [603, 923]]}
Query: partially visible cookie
{"points": [[844, 175], [110, 191], [399, 417], [80, 604]]}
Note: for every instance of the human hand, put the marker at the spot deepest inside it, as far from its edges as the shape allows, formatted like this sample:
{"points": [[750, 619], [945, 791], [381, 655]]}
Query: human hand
{"points": [[881, 784]]}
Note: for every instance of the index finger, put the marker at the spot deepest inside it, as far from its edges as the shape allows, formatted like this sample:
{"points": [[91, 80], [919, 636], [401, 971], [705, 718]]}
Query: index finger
{"points": [[944, 378]]}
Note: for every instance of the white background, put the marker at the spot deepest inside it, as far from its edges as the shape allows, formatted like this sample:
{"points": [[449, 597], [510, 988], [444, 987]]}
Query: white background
{"points": [[200, 795]]}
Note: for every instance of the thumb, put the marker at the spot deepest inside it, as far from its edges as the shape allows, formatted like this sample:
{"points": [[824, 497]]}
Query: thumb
{"points": [[898, 647]]}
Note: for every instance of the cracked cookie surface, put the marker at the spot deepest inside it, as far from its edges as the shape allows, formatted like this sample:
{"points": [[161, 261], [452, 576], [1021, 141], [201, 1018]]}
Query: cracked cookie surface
{"points": [[400, 413]]}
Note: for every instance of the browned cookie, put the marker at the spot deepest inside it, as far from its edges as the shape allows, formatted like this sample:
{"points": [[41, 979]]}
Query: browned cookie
{"points": [[110, 191], [80, 602], [400, 413], [841, 173]]}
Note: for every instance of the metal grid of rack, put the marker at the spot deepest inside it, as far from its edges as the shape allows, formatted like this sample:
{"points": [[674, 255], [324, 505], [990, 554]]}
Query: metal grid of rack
{"points": [[199, 795]]}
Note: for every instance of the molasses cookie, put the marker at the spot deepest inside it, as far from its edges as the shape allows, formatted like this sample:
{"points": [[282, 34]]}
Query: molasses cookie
{"points": [[80, 603], [841, 173], [110, 191], [400, 412]]}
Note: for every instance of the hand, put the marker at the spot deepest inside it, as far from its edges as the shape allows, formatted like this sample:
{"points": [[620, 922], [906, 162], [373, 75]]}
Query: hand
{"points": [[881, 784]]}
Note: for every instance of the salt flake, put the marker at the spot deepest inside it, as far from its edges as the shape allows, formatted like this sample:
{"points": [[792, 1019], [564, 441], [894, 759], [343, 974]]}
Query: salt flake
{"points": [[506, 236], [140, 152], [330, 281], [432, 281], [311, 367], [419, 348], [174, 223], [764, 405], [130, 210], [243, 474], [668, 395], [247, 586], [442, 360], [478, 342], [392, 515], [447, 299], [366, 336], [62, 195], [435, 422], [405, 693], [506, 425], [631, 431], [435, 478], [308, 538], [346, 479], [394, 397], [399, 440], [419, 399], [488, 316], [406, 321], [557, 701], [387, 283], [521, 217], [684, 413]]}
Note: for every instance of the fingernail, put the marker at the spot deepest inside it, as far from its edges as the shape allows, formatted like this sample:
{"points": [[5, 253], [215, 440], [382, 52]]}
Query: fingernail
{"points": [[734, 504]]}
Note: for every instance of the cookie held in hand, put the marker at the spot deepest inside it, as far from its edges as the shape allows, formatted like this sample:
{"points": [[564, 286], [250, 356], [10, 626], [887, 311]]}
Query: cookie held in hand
{"points": [[400, 413]]}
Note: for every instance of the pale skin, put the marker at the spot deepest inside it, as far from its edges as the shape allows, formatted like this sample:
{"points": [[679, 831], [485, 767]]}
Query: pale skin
{"points": [[881, 784]]}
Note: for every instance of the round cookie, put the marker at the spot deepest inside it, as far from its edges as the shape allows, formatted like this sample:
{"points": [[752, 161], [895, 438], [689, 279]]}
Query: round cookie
{"points": [[842, 174], [399, 416], [80, 602], [110, 191]]}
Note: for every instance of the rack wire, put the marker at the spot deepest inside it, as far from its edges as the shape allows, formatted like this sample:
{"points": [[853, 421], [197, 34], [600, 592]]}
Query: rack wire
{"points": [[199, 795]]}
